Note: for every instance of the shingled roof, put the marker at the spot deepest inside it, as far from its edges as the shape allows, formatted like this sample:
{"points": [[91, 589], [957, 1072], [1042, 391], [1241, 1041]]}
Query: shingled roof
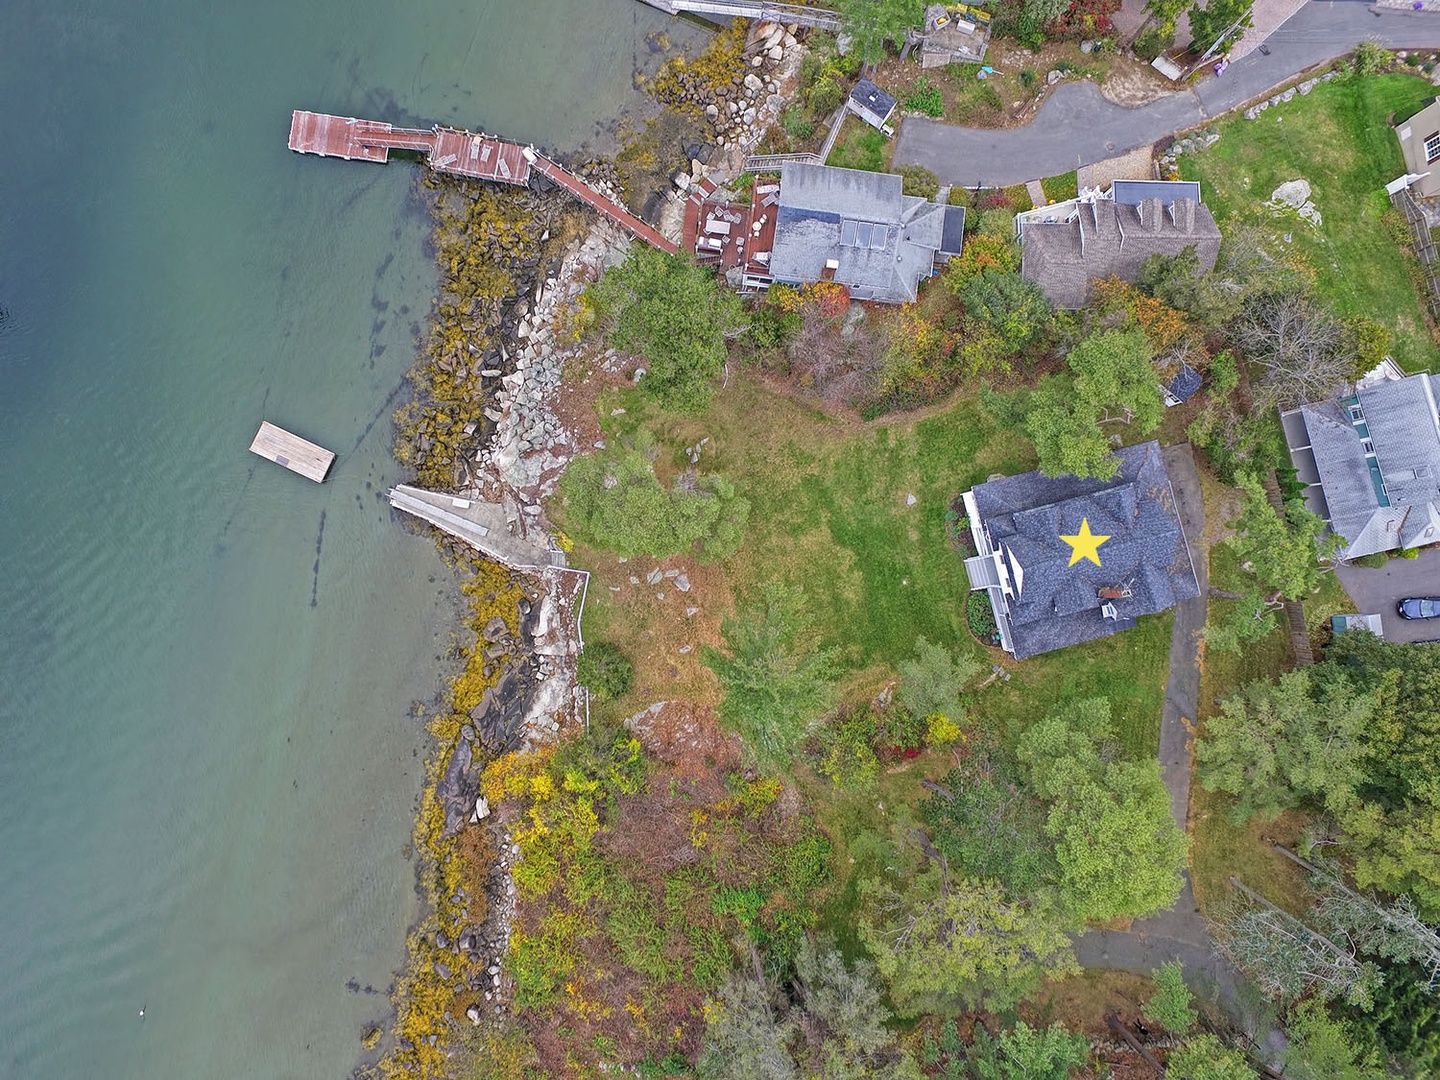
{"points": [[881, 241], [1106, 238], [1040, 600], [1372, 463]]}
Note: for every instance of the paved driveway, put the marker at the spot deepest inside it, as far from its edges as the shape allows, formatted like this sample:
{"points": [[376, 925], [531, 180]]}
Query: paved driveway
{"points": [[1077, 126], [1378, 590]]}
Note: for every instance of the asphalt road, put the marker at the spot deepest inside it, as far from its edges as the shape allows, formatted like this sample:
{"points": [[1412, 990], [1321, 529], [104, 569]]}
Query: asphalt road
{"points": [[1077, 126], [1377, 591]]}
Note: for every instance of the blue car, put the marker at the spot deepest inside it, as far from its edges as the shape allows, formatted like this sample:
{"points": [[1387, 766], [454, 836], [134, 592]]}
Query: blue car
{"points": [[1419, 607]]}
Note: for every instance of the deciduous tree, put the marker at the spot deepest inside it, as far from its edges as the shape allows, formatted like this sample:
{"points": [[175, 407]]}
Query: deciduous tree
{"points": [[1275, 745], [1252, 619], [673, 313], [1015, 309], [872, 23], [1285, 551], [1116, 843], [1067, 439], [1302, 352], [1219, 21], [932, 680], [1172, 1005], [1206, 1058], [1113, 373], [1321, 1048], [744, 1039], [940, 944], [1026, 1053]]}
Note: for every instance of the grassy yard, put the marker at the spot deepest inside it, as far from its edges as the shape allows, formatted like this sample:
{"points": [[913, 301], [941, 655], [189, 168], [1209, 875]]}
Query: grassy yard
{"points": [[832, 512], [860, 146], [1060, 188], [1339, 140]]}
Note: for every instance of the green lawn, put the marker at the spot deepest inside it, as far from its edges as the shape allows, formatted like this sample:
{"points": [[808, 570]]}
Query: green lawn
{"points": [[858, 147], [1060, 188], [831, 511], [1339, 140]]}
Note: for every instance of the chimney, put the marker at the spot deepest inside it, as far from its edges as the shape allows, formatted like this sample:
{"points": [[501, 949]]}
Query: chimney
{"points": [[1150, 211], [1185, 215]]}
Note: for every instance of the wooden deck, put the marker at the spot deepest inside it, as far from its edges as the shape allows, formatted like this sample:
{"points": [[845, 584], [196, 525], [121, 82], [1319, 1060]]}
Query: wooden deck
{"points": [[280, 446], [463, 153], [480, 157], [351, 139]]}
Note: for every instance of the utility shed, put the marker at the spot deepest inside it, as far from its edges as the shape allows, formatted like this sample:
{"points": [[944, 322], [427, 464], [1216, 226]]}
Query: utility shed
{"points": [[296, 454], [871, 104]]}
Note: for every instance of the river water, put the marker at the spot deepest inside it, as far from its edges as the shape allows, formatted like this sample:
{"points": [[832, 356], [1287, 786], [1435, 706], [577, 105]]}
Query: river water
{"points": [[207, 765]]}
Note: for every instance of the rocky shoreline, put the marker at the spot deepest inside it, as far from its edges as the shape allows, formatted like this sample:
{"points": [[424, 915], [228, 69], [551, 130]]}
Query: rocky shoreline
{"points": [[517, 689], [484, 425]]}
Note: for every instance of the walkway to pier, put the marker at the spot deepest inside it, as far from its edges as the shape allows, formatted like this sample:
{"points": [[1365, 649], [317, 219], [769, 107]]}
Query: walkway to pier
{"points": [[482, 525], [461, 153], [751, 9]]}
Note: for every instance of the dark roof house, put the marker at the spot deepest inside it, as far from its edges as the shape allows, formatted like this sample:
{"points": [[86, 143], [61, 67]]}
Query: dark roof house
{"points": [[1420, 143], [1372, 461], [1180, 387], [871, 104], [860, 229], [1042, 598], [1108, 237]]}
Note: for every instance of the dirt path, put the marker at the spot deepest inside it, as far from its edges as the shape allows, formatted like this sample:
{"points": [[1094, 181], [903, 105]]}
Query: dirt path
{"points": [[1179, 933]]}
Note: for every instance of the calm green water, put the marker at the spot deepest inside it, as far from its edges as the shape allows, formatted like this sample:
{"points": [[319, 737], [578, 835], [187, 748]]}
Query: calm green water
{"points": [[206, 765]]}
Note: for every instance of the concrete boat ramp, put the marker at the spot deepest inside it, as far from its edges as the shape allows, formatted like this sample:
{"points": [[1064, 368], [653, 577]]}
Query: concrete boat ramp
{"points": [[482, 525]]}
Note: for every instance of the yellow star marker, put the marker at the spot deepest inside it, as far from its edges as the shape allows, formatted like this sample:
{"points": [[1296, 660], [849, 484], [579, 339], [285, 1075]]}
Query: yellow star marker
{"points": [[1084, 544]]}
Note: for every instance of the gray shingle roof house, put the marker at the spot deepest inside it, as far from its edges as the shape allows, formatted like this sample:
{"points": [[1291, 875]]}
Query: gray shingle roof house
{"points": [[1107, 237], [1181, 386], [871, 104], [860, 229], [1420, 143], [1040, 601], [1372, 461]]}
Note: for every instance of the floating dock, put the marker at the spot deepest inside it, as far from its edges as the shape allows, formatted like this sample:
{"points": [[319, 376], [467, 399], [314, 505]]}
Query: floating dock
{"points": [[296, 454]]}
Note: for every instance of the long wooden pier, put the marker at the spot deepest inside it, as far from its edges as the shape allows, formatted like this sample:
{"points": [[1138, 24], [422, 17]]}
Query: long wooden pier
{"points": [[461, 153]]}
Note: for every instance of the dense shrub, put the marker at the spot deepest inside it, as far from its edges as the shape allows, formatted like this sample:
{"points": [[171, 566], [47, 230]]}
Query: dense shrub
{"points": [[797, 122], [919, 181], [981, 617], [925, 97], [771, 328], [825, 96], [605, 670], [1154, 40], [615, 502]]}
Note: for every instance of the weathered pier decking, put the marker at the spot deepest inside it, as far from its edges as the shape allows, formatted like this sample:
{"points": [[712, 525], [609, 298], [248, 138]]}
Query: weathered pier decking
{"points": [[296, 454], [461, 153]]}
